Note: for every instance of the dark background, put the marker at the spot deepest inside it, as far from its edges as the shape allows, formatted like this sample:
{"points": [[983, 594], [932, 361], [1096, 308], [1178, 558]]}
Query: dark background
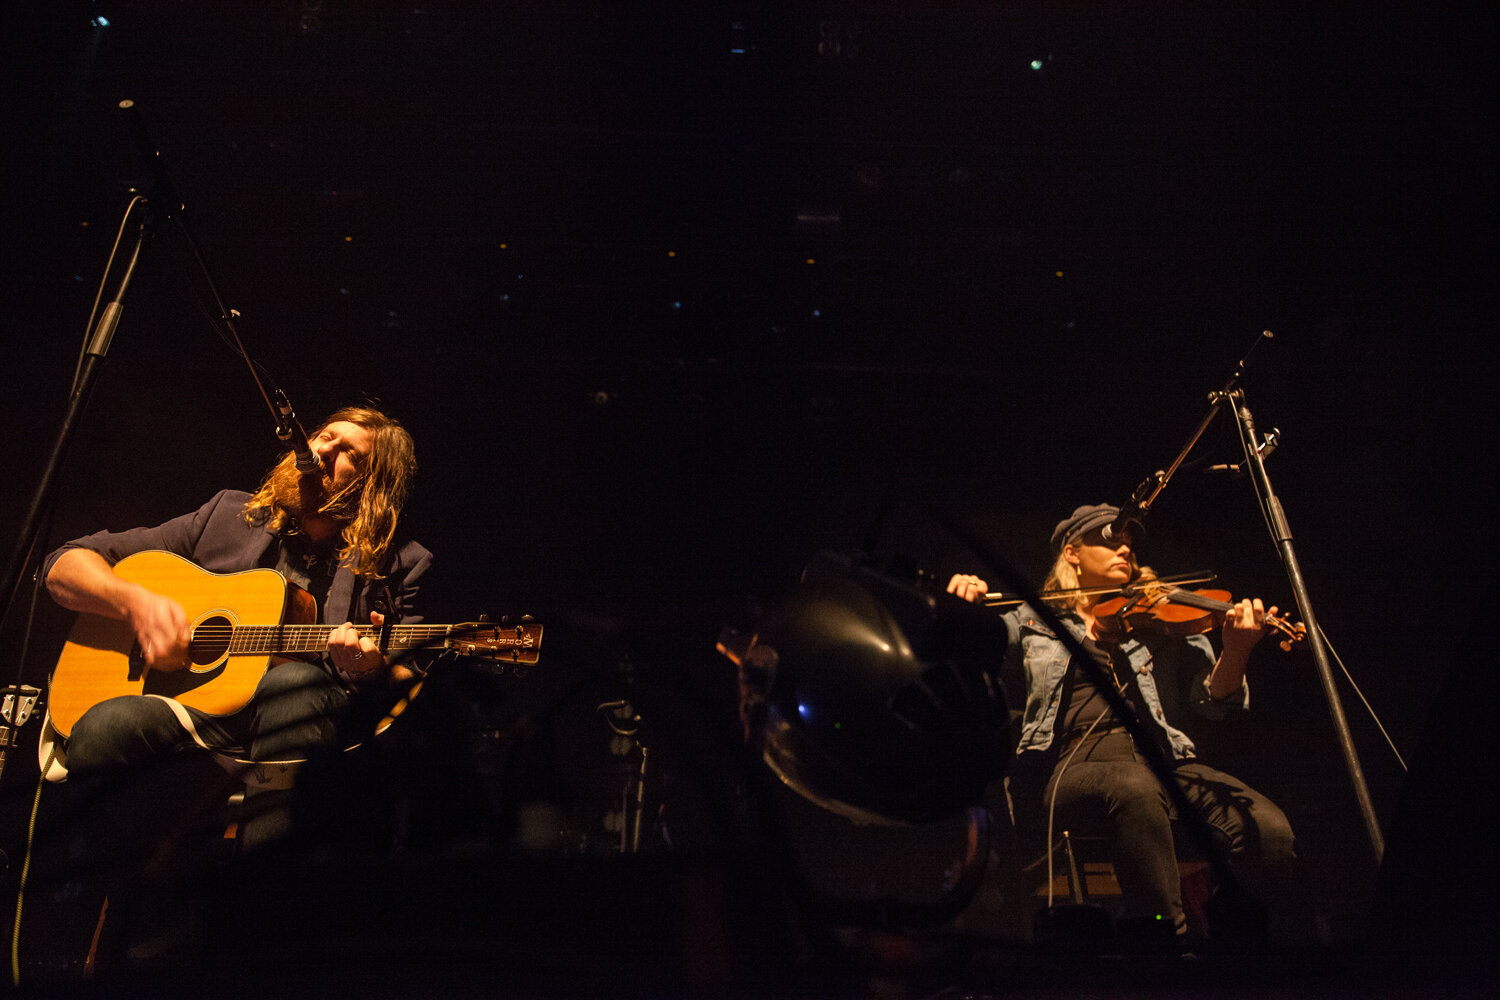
{"points": [[673, 296]]}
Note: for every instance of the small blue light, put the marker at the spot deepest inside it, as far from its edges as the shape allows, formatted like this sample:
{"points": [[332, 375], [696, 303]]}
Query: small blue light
{"points": [[1036, 64], [817, 313], [804, 711], [100, 22], [677, 304]]}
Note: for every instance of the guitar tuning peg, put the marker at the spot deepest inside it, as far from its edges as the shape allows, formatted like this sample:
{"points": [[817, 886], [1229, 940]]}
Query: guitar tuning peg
{"points": [[484, 618], [527, 619]]}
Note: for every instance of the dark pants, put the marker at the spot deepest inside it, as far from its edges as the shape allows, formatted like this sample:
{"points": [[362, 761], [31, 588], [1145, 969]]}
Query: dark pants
{"points": [[1107, 789], [141, 817], [298, 710]]}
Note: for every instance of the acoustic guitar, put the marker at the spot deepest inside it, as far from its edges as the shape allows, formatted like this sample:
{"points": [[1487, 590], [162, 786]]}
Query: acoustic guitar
{"points": [[243, 624]]}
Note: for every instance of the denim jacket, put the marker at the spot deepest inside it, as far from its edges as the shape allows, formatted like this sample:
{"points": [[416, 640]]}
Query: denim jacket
{"points": [[1045, 660]]}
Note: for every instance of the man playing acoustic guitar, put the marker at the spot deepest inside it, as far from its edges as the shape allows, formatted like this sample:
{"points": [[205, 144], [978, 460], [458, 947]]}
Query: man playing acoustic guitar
{"points": [[153, 619]]}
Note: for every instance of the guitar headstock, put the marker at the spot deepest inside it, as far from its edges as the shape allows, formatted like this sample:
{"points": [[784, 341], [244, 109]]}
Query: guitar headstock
{"points": [[505, 642]]}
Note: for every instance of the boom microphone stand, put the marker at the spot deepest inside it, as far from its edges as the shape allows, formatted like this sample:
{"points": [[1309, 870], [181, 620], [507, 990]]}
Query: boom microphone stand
{"points": [[162, 205], [94, 354], [1256, 451]]}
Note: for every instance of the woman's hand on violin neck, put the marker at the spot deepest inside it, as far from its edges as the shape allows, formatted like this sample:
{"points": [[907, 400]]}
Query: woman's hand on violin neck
{"points": [[1245, 624], [970, 588]]}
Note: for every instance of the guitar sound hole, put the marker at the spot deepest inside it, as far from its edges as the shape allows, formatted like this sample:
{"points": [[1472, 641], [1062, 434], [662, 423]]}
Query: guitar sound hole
{"points": [[210, 641]]}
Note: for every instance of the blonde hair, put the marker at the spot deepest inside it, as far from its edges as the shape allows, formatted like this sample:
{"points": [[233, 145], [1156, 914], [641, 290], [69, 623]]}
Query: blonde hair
{"points": [[370, 506], [1064, 576]]}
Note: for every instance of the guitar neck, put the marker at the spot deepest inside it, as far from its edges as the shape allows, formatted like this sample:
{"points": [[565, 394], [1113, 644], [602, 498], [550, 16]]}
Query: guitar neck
{"points": [[266, 639]]}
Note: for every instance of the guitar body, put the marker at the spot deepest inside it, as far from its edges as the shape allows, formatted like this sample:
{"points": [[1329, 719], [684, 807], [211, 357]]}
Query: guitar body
{"points": [[101, 659]]}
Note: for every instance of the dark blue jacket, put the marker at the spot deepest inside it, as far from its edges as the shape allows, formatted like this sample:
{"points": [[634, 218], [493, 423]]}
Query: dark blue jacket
{"points": [[217, 538]]}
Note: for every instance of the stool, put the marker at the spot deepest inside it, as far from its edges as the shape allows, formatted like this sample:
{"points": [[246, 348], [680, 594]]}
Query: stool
{"points": [[269, 775]]}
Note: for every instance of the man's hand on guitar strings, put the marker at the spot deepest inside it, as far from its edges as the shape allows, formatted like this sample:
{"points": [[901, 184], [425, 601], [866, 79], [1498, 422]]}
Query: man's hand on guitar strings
{"points": [[357, 658], [161, 628]]}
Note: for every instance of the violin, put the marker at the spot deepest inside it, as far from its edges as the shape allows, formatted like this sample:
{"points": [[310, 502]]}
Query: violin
{"points": [[1157, 606]]}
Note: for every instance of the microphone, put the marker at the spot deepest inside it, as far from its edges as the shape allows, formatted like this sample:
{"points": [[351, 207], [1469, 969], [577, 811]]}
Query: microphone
{"points": [[1127, 516], [291, 432], [1134, 509], [307, 463]]}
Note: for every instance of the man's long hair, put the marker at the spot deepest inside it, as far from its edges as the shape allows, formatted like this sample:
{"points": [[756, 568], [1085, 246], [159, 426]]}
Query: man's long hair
{"points": [[369, 507]]}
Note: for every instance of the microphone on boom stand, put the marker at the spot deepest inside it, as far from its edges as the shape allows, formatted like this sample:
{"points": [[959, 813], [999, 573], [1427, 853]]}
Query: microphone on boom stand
{"points": [[289, 431]]}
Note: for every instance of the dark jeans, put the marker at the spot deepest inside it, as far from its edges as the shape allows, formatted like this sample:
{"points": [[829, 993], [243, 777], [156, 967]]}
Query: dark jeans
{"points": [[141, 818], [298, 710], [1108, 789]]}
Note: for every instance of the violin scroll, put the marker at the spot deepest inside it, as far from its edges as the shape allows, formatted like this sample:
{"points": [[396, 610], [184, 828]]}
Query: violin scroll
{"points": [[1293, 633]]}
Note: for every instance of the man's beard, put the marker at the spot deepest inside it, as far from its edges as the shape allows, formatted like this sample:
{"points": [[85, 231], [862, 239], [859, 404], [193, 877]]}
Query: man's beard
{"points": [[299, 495]]}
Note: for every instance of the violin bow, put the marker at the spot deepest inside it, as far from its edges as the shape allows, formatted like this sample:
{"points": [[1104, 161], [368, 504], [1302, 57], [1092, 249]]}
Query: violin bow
{"points": [[1001, 600]]}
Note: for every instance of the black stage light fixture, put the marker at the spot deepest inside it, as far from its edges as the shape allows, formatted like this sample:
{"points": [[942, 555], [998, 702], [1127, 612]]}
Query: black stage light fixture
{"points": [[875, 697]]}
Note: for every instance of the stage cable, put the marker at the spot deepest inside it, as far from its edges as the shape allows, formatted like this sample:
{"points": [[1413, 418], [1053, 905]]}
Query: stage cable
{"points": [[15, 933]]}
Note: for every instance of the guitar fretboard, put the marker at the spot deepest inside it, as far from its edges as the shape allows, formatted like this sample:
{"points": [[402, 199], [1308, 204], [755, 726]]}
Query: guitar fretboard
{"points": [[267, 639]]}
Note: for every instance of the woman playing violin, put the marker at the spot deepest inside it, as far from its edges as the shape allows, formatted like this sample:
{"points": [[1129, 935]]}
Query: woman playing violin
{"points": [[1074, 753]]}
